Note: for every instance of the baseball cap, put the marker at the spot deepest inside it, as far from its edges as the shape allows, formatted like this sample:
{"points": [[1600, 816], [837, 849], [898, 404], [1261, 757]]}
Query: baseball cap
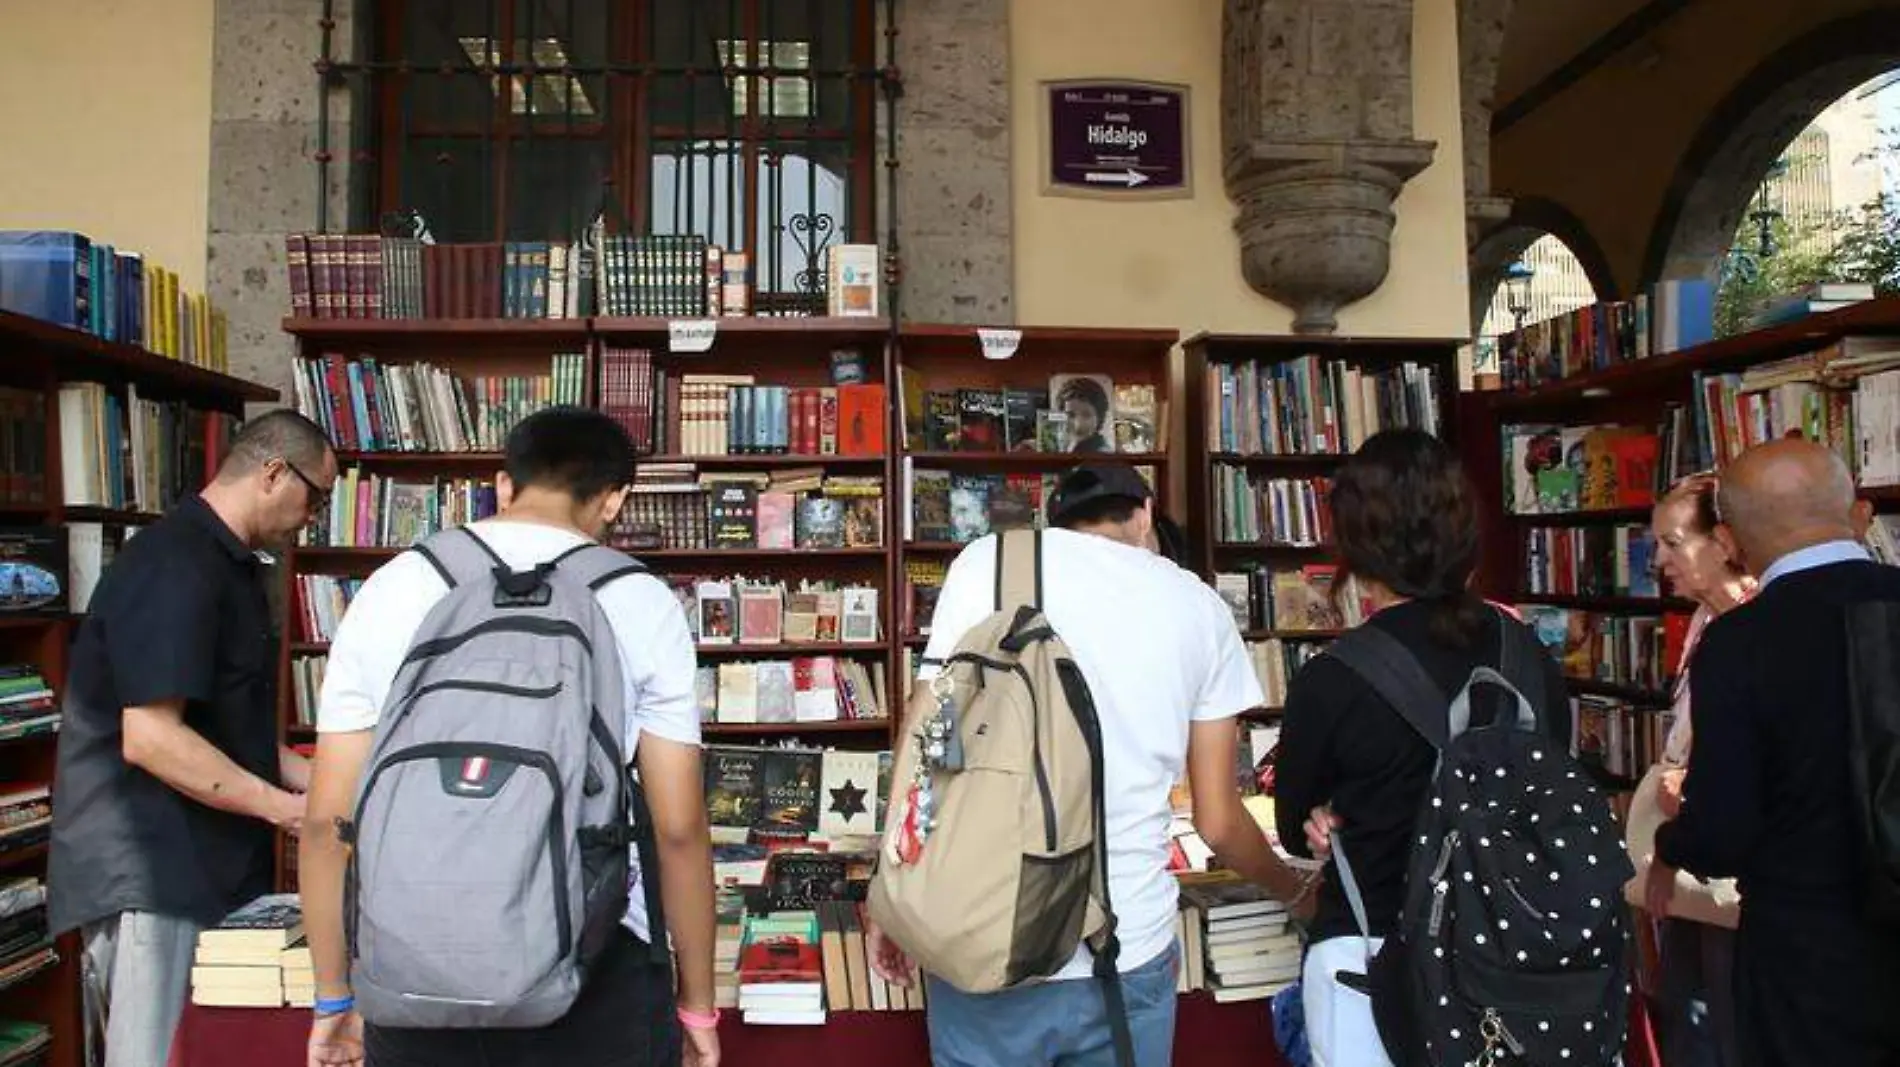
{"points": [[1096, 481]]}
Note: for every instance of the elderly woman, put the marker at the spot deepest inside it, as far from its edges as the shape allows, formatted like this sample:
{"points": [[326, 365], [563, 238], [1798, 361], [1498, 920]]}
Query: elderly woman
{"points": [[1696, 920]]}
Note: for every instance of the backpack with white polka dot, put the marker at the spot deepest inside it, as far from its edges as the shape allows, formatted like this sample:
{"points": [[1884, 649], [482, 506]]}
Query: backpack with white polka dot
{"points": [[1513, 945]]}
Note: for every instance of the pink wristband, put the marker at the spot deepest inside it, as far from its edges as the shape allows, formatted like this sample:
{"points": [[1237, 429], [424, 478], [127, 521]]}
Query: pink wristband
{"points": [[695, 1021]]}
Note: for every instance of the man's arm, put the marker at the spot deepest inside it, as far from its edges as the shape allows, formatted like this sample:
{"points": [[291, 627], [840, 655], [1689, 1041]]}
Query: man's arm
{"points": [[322, 854], [1722, 795], [670, 774], [1222, 819], [293, 769], [155, 739]]}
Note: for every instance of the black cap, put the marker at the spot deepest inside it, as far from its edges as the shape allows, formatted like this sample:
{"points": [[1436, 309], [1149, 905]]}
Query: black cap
{"points": [[1096, 481]]}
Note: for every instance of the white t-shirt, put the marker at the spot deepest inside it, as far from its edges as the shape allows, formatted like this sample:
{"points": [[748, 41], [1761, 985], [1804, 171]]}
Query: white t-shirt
{"points": [[656, 651], [1159, 649]]}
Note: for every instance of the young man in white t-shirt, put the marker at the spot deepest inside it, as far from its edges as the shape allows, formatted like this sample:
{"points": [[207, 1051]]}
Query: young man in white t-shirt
{"points": [[1168, 674], [567, 471]]}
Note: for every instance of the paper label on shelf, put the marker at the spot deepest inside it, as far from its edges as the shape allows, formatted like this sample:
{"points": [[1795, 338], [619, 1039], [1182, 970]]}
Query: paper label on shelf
{"points": [[999, 344], [691, 335]]}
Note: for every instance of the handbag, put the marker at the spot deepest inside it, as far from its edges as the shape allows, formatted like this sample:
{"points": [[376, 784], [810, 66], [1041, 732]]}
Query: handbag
{"points": [[1716, 902]]}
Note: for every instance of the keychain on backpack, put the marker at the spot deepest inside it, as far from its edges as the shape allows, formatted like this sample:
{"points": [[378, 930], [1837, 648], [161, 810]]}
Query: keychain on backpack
{"points": [[938, 749]]}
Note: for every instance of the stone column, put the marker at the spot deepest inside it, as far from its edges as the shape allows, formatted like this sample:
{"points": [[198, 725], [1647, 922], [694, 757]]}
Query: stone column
{"points": [[1316, 131], [952, 191], [264, 107], [1481, 26]]}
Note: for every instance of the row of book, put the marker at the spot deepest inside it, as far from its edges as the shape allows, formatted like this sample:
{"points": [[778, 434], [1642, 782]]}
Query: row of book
{"points": [[374, 511], [732, 415], [321, 601], [1309, 406], [372, 406], [1561, 469], [1291, 598], [1615, 736], [1252, 509], [1276, 660], [26, 815], [804, 689], [122, 451], [1671, 316], [673, 506], [1590, 561], [370, 276], [22, 448], [69, 280], [26, 944], [27, 704], [256, 957], [306, 686], [1074, 413], [1633, 651], [773, 796], [765, 612]]}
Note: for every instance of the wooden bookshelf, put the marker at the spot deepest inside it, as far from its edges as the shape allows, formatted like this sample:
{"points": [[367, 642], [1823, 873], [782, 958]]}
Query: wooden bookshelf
{"points": [[775, 351], [39, 357], [950, 361], [1219, 438], [1637, 392]]}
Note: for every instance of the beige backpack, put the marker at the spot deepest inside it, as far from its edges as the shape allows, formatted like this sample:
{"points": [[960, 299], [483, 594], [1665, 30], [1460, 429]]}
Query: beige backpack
{"points": [[1010, 876]]}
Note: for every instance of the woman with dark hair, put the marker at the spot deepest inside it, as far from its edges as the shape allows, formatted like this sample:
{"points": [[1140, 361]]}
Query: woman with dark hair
{"points": [[1406, 532]]}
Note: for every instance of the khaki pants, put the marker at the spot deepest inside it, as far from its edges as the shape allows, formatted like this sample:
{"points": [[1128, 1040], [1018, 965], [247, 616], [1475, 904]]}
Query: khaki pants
{"points": [[136, 972]]}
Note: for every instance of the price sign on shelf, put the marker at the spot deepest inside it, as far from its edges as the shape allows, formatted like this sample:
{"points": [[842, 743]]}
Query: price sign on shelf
{"points": [[691, 335], [999, 344]]}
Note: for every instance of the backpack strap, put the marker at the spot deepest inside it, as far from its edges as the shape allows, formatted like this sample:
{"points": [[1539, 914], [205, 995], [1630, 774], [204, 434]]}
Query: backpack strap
{"points": [[1019, 568], [597, 565], [1107, 948], [1397, 676], [458, 555]]}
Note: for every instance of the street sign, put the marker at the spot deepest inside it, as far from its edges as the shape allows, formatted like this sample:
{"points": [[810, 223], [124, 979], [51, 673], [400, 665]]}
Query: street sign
{"points": [[1115, 139]]}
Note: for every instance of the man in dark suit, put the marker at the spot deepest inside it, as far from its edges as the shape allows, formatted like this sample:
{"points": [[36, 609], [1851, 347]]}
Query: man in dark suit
{"points": [[1768, 795]]}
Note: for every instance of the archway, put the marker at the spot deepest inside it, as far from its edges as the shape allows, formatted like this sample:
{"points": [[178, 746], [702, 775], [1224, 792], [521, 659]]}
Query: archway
{"points": [[1752, 127], [1533, 220]]}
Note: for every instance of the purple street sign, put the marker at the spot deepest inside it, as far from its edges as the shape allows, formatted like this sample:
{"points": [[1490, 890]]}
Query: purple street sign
{"points": [[1117, 137]]}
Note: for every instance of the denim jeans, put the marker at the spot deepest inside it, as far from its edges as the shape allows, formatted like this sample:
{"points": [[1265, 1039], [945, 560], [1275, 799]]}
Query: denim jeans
{"points": [[1055, 1024]]}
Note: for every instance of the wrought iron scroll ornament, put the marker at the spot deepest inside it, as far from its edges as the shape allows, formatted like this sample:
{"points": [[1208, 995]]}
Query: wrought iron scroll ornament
{"points": [[813, 234]]}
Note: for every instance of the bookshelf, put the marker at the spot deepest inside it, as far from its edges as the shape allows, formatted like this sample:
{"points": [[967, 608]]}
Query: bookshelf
{"points": [[1269, 418], [636, 370], [1702, 412], [972, 453], [36, 360]]}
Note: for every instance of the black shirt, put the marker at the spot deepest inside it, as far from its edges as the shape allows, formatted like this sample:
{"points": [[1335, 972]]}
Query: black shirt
{"points": [[182, 613], [1341, 743]]}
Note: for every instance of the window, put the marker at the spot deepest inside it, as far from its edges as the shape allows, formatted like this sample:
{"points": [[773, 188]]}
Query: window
{"points": [[748, 122]]}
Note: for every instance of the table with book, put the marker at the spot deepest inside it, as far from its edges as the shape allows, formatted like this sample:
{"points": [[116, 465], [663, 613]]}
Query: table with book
{"points": [[252, 984]]}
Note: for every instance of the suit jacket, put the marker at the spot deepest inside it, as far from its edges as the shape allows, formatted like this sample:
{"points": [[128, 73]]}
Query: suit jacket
{"points": [[1767, 799]]}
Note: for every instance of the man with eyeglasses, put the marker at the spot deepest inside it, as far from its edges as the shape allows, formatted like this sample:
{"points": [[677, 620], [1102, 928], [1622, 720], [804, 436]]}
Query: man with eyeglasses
{"points": [[170, 775]]}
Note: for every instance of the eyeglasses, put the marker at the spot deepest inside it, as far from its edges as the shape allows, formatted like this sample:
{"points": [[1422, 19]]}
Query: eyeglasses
{"points": [[319, 496]]}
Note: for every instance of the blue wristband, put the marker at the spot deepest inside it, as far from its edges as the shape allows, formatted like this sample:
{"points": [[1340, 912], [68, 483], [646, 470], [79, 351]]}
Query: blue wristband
{"points": [[334, 1005]]}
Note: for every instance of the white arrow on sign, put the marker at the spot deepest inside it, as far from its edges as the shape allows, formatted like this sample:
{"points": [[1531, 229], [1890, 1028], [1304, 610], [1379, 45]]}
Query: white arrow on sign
{"points": [[1130, 178]]}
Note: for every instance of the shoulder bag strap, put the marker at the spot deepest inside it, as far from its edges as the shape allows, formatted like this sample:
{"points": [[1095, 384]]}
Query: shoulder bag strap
{"points": [[1019, 568], [1396, 675]]}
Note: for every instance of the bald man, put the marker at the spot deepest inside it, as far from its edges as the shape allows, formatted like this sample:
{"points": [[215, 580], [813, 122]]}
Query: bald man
{"points": [[1768, 796]]}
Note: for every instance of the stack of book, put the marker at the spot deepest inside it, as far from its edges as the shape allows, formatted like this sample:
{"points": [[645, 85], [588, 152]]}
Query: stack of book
{"points": [[781, 970], [252, 960], [1243, 940], [26, 815], [27, 706], [26, 947], [23, 1044]]}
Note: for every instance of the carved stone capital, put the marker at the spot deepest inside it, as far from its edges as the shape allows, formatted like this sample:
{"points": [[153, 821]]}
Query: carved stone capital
{"points": [[1316, 219], [1483, 214]]}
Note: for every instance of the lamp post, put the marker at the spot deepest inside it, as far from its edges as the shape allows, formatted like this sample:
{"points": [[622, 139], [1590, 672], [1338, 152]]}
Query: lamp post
{"points": [[1517, 291]]}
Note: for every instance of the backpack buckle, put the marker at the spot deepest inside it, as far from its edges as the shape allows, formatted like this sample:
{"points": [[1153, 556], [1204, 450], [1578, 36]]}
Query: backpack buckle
{"points": [[523, 589]]}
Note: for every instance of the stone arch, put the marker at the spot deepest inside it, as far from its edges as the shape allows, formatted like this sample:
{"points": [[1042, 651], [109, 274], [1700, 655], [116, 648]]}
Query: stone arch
{"points": [[1753, 125], [1533, 217]]}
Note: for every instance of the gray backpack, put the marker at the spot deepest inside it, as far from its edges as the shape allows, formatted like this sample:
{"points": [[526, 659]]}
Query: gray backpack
{"points": [[490, 841]]}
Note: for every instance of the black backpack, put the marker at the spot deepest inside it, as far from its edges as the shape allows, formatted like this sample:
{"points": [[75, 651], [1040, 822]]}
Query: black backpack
{"points": [[1513, 946], [1873, 679]]}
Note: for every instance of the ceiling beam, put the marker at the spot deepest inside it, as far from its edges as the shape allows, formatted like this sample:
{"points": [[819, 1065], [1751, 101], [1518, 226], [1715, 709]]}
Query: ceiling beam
{"points": [[1634, 27]]}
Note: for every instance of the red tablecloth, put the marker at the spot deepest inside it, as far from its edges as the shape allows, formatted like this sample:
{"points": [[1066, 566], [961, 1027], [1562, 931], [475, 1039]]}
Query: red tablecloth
{"points": [[1206, 1035]]}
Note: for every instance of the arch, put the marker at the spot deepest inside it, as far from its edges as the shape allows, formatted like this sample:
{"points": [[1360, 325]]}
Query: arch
{"points": [[1750, 128], [1532, 217]]}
